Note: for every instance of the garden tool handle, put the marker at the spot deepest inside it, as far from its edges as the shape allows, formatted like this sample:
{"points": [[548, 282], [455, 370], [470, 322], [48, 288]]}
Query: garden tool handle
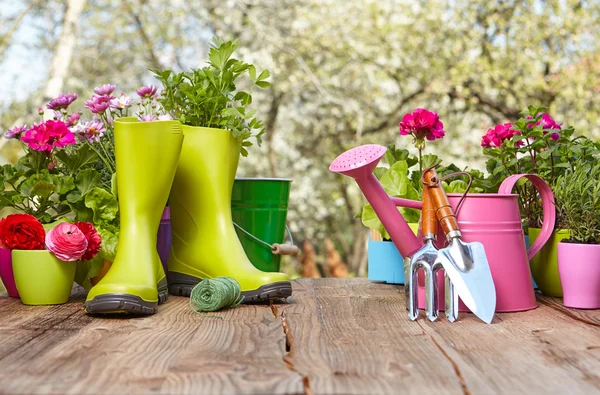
{"points": [[429, 221], [439, 199], [285, 249]]}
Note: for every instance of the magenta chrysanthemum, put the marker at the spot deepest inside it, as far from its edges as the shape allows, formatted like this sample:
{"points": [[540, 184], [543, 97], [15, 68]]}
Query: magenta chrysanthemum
{"points": [[422, 124], [16, 132], [93, 130], [147, 91], [48, 135], [147, 118], [104, 90], [73, 119], [64, 100], [98, 104], [122, 102]]}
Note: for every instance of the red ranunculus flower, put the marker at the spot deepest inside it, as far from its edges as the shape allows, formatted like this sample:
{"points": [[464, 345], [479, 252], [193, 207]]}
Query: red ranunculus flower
{"points": [[22, 232], [93, 238]]}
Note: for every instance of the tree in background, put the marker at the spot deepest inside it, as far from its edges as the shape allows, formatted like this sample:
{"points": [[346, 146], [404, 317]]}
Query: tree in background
{"points": [[343, 74]]}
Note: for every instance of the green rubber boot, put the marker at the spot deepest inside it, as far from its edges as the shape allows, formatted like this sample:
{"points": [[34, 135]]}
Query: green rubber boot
{"points": [[205, 244], [146, 156]]}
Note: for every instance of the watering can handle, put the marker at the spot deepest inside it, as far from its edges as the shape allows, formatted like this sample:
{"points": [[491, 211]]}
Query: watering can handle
{"points": [[547, 203]]}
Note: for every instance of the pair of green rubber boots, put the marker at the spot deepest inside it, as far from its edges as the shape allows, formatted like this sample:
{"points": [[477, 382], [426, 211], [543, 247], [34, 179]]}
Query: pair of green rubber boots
{"points": [[194, 169]]}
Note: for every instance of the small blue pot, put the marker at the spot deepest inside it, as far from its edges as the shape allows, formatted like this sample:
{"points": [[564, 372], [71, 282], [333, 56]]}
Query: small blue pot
{"points": [[385, 262]]}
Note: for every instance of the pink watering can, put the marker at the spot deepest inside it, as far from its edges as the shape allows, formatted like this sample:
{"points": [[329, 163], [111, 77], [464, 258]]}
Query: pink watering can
{"points": [[491, 219]]}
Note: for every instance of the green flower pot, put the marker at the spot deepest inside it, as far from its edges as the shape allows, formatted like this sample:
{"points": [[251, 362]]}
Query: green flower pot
{"points": [[42, 278], [544, 265]]}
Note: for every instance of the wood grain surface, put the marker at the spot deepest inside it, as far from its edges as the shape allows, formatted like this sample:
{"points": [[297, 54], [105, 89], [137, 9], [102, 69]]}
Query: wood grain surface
{"points": [[334, 336]]}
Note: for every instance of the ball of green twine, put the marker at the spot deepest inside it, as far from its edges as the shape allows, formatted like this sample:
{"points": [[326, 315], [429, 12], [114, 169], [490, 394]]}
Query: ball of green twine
{"points": [[214, 294]]}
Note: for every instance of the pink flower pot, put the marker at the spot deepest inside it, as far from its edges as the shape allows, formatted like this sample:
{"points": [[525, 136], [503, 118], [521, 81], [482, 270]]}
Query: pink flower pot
{"points": [[6, 273], [579, 270]]}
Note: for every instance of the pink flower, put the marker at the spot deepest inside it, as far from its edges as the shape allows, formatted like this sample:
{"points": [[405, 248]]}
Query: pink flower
{"points": [[147, 118], [548, 123], [73, 119], [93, 238], [64, 100], [147, 91], [16, 132], [422, 123], [93, 130], [48, 135], [67, 242], [104, 90], [122, 102], [98, 104], [496, 136], [164, 117]]}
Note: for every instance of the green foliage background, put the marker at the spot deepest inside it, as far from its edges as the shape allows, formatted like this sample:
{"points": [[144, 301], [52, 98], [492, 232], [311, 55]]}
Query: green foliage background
{"points": [[343, 72]]}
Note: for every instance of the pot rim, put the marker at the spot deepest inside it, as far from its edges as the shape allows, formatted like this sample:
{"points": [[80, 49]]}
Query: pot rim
{"points": [[263, 179]]}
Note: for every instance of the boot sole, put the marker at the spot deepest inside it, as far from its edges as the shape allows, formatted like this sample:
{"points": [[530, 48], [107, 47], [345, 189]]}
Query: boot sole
{"points": [[182, 285], [127, 304]]}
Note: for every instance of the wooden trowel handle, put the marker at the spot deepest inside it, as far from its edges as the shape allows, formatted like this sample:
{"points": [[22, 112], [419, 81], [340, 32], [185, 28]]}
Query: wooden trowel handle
{"points": [[439, 200], [429, 221]]}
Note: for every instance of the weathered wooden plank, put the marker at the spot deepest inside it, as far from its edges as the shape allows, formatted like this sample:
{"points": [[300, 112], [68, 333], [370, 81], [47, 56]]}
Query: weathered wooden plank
{"points": [[353, 337], [343, 331], [537, 351], [175, 351]]}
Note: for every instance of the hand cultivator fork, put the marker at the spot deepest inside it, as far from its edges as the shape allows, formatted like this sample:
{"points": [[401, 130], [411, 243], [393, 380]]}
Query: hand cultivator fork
{"points": [[426, 258]]}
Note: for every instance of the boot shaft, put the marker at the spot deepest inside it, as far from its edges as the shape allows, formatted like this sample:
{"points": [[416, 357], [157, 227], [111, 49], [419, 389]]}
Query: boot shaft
{"points": [[146, 156]]}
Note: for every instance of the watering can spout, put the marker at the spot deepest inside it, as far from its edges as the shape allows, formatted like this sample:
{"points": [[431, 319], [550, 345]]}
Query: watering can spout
{"points": [[359, 163]]}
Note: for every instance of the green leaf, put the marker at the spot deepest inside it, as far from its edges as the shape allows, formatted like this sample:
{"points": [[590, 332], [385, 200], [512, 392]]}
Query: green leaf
{"points": [[103, 204], [395, 181], [43, 190], [63, 184], [86, 180], [264, 75], [263, 84], [371, 221], [252, 72], [77, 160], [110, 241]]}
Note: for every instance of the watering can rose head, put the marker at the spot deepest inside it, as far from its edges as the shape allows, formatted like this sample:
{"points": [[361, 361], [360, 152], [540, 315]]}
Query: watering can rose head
{"points": [[73, 242]]}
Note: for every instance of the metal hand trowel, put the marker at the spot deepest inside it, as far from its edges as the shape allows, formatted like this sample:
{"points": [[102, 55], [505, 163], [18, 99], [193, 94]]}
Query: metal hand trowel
{"points": [[465, 264]]}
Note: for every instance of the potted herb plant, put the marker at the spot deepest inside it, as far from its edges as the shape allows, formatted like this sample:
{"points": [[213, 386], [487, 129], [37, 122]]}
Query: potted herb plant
{"points": [[537, 144], [217, 125], [578, 195], [44, 264]]}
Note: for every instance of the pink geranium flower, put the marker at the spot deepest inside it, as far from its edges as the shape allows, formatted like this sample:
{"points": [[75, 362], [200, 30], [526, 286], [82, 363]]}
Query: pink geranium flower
{"points": [[147, 91], [67, 242], [547, 122], [98, 104], [104, 90], [494, 137], [93, 130], [48, 135], [422, 124], [64, 100], [16, 132]]}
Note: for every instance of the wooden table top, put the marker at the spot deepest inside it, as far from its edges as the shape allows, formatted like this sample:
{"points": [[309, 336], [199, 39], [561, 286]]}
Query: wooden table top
{"points": [[344, 336]]}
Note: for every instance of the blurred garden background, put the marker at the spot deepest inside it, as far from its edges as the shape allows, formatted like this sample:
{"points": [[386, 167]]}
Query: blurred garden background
{"points": [[343, 73]]}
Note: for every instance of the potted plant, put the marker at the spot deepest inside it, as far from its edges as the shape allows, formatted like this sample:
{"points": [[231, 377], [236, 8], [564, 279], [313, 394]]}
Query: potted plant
{"points": [[44, 264], [399, 173], [65, 173], [217, 125], [578, 195], [536, 144]]}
